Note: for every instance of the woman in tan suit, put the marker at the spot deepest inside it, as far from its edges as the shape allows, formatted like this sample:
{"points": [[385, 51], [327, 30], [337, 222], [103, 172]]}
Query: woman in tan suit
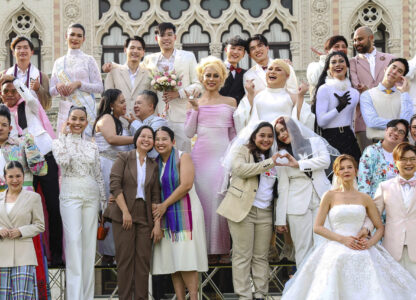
{"points": [[249, 210], [21, 218], [134, 182]]}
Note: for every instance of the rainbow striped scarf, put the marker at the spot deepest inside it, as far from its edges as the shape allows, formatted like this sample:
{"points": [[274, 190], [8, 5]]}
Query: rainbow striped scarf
{"points": [[177, 222]]}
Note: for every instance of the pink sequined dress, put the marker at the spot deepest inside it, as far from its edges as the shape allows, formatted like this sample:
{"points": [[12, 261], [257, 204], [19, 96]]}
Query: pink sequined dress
{"points": [[214, 127]]}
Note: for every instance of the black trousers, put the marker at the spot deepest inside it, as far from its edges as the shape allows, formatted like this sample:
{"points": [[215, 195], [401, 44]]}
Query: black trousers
{"points": [[343, 139], [50, 189]]}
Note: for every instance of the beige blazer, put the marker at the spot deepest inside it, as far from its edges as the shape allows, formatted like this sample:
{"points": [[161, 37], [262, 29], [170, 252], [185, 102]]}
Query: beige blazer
{"points": [[400, 228], [185, 66], [243, 185], [123, 179], [119, 78], [27, 216]]}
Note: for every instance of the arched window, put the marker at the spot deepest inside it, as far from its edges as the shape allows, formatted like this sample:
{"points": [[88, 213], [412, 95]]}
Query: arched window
{"points": [[36, 57], [236, 29], [113, 45], [197, 41], [215, 7], [380, 38], [279, 41], [175, 8], [135, 8]]}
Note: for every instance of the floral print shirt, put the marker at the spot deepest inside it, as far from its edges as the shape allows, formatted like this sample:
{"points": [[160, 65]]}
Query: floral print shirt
{"points": [[373, 169]]}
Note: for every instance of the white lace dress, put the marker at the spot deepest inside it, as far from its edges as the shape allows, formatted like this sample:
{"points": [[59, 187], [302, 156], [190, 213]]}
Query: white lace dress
{"points": [[335, 272], [80, 168]]}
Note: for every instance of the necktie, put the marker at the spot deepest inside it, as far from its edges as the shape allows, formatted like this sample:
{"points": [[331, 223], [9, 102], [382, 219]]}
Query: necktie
{"points": [[388, 91], [232, 68], [411, 182]]}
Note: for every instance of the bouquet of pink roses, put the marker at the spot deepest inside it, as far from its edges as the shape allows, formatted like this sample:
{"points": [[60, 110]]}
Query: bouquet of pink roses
{"points": [[165, 81]]}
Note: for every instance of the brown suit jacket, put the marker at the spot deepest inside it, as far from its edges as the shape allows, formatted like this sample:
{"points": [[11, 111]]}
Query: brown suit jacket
{"points": [[123, 179]]}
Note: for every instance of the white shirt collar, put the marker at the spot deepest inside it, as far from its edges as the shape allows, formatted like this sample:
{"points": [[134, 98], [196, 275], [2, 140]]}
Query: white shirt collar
{"points": [[372, 54]]}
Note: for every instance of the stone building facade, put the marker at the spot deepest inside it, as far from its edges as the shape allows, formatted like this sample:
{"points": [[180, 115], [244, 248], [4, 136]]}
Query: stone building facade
{"points": [[292, 26]]}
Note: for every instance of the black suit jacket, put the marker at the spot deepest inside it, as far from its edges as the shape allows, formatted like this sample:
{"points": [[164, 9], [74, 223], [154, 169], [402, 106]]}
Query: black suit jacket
{"points": [[234, 87]]}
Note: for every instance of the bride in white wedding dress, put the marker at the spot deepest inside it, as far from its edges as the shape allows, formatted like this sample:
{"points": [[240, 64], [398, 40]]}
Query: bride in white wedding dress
{"points": [[347, 267]]}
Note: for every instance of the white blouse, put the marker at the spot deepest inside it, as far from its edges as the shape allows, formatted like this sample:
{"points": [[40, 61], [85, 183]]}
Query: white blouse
{"points": [[272, 103], [80, 168]]}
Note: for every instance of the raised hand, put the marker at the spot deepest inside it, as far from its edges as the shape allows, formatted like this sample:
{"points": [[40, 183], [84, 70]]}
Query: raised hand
{"points": [[404, 87], [35, 84], [192, 99], [292, 162], [343, 100]]}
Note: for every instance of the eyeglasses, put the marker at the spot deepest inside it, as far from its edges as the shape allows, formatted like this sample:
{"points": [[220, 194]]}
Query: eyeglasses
{"points": [[408, 159], [400, 132], [6, 91]]}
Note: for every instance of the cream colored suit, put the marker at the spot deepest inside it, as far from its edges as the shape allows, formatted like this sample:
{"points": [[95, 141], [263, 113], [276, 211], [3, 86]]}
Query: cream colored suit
{"points": [[119, 78], [27, 216], [400, 227], [185, 66], [299, 196], [250, 227]]}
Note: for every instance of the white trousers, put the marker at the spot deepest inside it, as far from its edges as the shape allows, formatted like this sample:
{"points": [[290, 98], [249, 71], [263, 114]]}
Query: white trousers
{"points": [[407, 263], [79, 219], [301, 230]]}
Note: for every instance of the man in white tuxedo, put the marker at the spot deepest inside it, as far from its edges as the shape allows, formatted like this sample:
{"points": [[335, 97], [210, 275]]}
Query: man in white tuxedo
{"points": [[184, 63], [412, 80], [131, 78], [397, 197]]}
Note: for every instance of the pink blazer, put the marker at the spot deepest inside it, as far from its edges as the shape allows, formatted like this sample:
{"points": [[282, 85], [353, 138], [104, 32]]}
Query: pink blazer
{"points": [[360, 74], [400, 228]]}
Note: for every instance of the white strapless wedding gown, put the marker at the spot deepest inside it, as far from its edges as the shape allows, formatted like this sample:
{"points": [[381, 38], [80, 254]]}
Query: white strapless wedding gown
{"points": [[333, 271]]}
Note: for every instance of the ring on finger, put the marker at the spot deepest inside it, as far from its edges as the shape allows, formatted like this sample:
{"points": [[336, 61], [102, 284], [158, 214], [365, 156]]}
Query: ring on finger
{"points": [[191, 97]]}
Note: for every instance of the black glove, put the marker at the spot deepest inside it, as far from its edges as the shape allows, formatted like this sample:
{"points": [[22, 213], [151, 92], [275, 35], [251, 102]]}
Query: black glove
{"points": [[343, 100]]}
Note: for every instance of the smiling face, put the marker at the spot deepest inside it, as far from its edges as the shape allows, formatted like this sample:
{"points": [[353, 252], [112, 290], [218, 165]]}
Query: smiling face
{"points": [[413, 129], [119, 106], [5, 129], [407, 164], [395, 135], [77, 121], [234, 54], [394, 74], [163, 143], [276, 76], [339, 46], [74, 38], [145, 140], [143, 107], [22, 51], [264, 139], [363, 41], [14, 179], [211, 79], [258, 51], [9, 94], [134, 51], [166, 40], [338, 67], [282, 134], [346, 171]]}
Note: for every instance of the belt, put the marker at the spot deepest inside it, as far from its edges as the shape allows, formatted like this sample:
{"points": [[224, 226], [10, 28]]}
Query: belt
{"points": [[338, 129]]}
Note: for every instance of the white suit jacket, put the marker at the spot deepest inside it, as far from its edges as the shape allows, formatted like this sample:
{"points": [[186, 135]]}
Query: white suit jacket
{"points": [[295, 187], [411, 76], [27, 216], [185, 66], [119, 78]]}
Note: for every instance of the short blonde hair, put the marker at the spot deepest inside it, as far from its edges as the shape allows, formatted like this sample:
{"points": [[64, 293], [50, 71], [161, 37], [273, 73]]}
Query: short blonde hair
{"points": [[216, 63], [281, 63], [337, 163]]}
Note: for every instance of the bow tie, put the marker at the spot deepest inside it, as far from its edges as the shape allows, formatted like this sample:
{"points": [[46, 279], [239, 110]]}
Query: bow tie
{"points": [[411, 182], [264, 68], [232, 68]]}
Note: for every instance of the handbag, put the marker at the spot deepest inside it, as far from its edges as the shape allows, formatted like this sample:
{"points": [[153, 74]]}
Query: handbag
{"points": [[102, 231]]}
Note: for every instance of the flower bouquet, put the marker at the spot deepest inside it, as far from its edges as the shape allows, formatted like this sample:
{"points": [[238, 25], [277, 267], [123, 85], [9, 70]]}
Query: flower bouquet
{"points": [[166, 81]]}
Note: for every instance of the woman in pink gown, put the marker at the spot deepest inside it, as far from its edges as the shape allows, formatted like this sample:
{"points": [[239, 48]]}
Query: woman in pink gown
{"points": [[210, 117]]}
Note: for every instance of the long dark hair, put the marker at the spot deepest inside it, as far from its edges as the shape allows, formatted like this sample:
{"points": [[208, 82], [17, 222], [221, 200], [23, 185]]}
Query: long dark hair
{"points": [[251, 145], [108, 97], [324, 74]]}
